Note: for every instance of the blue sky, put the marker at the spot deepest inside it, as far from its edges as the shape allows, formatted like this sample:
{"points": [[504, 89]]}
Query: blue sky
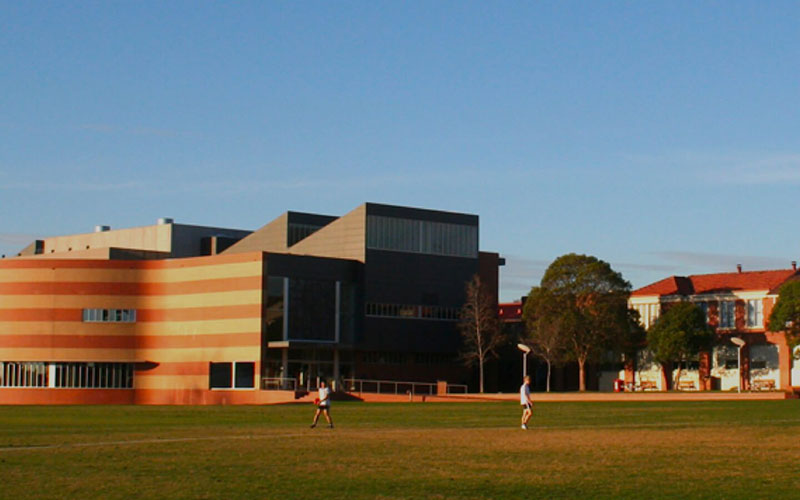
{"points": [[661, 137]]}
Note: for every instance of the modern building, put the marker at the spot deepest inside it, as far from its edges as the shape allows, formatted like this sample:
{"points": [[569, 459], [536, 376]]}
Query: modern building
{"points": [[171, 313], [737, 305]]}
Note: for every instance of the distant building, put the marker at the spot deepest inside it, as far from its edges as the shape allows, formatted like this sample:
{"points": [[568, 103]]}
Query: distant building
{"points": [[736, 304], [173, 313]]}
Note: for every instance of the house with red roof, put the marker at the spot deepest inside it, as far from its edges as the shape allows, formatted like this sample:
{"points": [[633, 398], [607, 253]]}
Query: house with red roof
{"points": [[737, 305]]}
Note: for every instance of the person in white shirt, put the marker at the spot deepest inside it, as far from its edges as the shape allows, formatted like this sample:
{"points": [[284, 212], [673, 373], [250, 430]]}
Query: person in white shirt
{"points": [[323, 404], [525, 400]]}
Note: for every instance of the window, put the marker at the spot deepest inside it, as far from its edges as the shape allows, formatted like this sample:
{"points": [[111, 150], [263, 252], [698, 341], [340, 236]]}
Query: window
{"points": [[220, 375], [109, 315], [410, 311], [298, 232], [648, 314], [384, 358], [23, 374], [755, 313], [703, 307], [90, 375], [432, 358], [274, 313], [245, 375], [758, 364], [312, 310], [727, 314], [233, 375], [687, 365], [94, 375], [731, 364], [420, 236]]}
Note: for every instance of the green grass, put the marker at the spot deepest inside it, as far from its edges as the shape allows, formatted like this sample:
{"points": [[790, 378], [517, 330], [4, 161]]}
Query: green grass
{"points": [[727, 450]]}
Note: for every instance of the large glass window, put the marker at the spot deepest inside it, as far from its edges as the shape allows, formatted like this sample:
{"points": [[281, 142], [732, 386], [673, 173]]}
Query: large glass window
{"points": [[312, 310], [232, 375], [419, 236], [727, 314], [347, 312], [755, 313], [273, 316]]}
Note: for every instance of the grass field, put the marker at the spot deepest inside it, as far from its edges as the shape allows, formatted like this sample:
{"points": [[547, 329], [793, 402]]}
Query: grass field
{"points": [[747, 449]]}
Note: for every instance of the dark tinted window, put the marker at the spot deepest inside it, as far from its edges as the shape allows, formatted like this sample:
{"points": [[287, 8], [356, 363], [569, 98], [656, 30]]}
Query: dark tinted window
{"points": [[245, 373], [221, 376]]}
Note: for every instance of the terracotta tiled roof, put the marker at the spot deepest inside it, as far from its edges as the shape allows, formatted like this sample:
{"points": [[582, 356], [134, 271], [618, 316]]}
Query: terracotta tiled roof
{"points": [[510, 311], [668, 286], [719, 282]]}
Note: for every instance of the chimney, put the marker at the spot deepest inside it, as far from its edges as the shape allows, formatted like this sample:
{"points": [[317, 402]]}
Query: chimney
{"points": [[794, 265], [739, 267]]}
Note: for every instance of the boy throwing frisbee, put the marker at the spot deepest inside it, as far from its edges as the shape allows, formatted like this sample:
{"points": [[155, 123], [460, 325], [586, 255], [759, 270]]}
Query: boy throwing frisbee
{"points": [[323, 404]]}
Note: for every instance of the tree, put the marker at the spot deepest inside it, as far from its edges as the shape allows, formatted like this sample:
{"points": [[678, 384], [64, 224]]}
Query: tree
{"points": [[679, 335], [587, 303], [631, 339], [785, 316], [543, 333], [479, 326]]}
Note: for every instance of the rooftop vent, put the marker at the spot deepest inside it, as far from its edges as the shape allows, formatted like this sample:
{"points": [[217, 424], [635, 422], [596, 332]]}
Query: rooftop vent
{"points": [[739, 267], [101, 229], [165, 220]]}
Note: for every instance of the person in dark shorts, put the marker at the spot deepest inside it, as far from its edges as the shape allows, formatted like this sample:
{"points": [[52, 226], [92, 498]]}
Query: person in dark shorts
{"points": [[525, 401], [323, 405]]}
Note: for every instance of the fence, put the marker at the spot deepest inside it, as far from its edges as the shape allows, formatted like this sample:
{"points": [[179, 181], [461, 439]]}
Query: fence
{"points": [[279, 384], [357, 385]]}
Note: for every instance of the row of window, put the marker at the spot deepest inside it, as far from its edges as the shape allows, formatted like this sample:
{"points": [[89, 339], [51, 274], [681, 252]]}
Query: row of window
{"points": [[419, 236], [441, 313], [754, 313], [109, 315], [298, 232], [232, 375], [66, 375], [401, 358]]}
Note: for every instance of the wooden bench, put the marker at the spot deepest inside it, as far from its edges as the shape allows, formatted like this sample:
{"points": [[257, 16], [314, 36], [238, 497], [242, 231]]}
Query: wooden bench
{"points": [[763, 384], [648, 385], [686, 385]]}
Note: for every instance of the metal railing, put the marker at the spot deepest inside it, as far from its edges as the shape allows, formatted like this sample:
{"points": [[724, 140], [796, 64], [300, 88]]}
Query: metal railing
{"points": [[459, 389], [278, 384], [357, 385]]}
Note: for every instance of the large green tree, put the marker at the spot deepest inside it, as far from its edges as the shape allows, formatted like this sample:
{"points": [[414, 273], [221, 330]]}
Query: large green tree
{"points": [[585, 300], [785, 316], [678, 336]]}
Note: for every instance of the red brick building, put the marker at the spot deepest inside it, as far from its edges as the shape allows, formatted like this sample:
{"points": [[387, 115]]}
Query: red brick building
{"points": [[737, 305]]}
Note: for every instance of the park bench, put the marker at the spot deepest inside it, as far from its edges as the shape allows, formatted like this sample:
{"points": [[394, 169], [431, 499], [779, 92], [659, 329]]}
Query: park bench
{"points": [[686, 385], [763, 385], [648, 385]]}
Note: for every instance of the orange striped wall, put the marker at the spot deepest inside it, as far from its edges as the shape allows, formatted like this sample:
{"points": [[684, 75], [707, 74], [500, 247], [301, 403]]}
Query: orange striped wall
{"points": [[189, 312]]}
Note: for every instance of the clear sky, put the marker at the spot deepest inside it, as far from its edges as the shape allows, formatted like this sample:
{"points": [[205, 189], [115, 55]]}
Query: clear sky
{"points": [[661, 137]]}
